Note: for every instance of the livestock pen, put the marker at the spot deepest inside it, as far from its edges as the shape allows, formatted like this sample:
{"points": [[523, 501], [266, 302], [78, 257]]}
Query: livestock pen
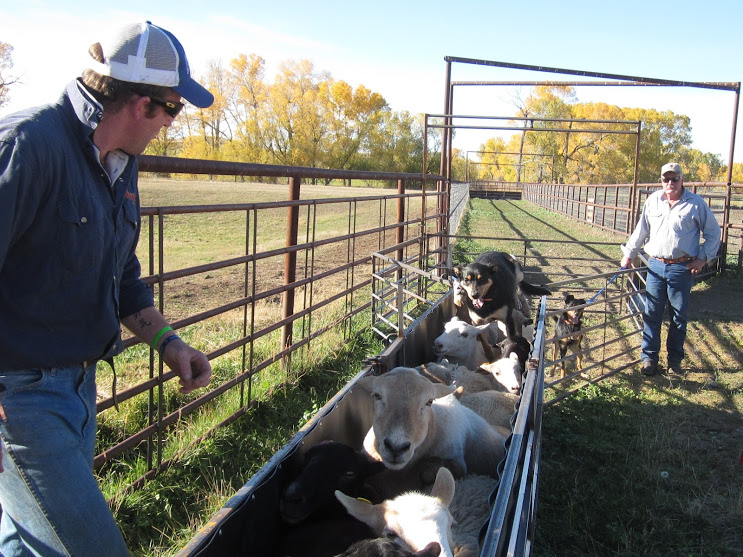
{"points": [[283, 306], [544, 261]]}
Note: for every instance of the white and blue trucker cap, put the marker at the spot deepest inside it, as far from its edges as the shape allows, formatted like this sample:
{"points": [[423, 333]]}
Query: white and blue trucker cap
{"points": [[145, 53]]}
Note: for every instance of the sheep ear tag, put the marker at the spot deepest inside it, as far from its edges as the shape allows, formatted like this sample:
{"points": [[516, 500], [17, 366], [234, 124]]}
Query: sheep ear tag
{"points": [[364, 500]]}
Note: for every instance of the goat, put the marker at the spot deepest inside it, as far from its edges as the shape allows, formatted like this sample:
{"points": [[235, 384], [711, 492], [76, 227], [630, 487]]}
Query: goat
{"points": [[382, 547], [414, 417], [452, 515]]}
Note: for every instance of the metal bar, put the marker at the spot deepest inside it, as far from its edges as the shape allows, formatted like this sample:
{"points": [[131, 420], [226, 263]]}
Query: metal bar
{"points": [[152, 163], [290, 266], [643, 80], [726, 84], [532, 119]]}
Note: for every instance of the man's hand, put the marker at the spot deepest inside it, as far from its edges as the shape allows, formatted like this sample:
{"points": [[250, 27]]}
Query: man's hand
{"points": [[626, 263], [696, 265], [189, 364]]}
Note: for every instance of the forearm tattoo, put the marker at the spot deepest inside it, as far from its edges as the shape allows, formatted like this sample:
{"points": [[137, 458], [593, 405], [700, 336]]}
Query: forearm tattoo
{"points": [[141, 321]]}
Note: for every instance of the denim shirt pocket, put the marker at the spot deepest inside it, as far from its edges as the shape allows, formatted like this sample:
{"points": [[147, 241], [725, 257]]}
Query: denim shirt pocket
{"points": [[82, 237], [127, 233]]}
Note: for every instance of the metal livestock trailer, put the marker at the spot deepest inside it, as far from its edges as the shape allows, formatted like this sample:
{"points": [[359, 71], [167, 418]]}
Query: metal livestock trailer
{"points": [[250, 524]]}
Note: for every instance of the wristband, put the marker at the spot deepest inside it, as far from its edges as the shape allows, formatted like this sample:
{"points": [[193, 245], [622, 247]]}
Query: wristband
{"points": [[159, 335], [167, 341]]}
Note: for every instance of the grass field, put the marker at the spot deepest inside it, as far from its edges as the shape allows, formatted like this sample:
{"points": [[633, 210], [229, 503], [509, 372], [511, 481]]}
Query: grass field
{"points": [[602, 491]]}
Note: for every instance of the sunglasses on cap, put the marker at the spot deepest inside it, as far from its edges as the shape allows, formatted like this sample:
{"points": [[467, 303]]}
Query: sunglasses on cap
{"points": [[674, 179], [171, 108]]}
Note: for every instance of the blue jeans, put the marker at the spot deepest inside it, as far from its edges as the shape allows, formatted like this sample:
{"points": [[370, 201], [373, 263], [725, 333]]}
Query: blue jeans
{"points": [[51, 501], [666, 284]]}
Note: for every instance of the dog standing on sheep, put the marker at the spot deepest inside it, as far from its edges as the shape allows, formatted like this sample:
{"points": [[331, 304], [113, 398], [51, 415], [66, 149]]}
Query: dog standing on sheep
{"points": [[493, 283]]}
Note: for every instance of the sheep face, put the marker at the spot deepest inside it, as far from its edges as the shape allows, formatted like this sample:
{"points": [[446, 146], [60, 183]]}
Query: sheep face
{"points": [[403, 415], [412, 520], [460, 341], [507, 372]]}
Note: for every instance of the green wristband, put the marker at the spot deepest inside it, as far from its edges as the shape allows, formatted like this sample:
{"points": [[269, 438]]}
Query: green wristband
{"points": [[159, 335]]}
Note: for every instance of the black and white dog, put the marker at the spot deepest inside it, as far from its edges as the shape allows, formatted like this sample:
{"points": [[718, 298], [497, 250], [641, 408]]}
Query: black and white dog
{"points": [[493, 284]]}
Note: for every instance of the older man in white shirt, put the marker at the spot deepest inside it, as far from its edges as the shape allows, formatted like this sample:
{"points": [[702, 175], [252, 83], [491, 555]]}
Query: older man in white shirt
{"points": [[669, 228]]}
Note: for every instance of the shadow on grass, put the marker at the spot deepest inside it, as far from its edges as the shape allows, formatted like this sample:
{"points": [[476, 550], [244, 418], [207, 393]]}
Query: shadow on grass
{"points": [[640, 469]]}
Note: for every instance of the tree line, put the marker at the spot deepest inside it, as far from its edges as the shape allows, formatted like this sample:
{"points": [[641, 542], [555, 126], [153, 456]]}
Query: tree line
{"points": [[601, 157], [305, 117]]}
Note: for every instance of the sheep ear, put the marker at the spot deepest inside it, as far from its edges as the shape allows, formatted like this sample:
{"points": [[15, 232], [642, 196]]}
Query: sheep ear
{"points": [[373, 515], [442, 390], [443, 487], [367, 382]]}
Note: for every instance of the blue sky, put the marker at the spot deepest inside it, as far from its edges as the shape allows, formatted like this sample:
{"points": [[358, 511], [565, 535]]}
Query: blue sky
{"points": [[397, 48]]}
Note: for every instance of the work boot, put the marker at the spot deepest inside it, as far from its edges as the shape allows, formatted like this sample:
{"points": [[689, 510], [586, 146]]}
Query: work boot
{"points": [[675, 369], [649, 368]]}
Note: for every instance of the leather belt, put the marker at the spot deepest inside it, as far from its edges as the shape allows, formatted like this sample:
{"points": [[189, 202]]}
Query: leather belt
{"points": [[676, 260]]}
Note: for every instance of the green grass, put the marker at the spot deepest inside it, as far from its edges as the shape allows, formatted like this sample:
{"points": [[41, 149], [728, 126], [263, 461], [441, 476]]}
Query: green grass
{"points": [[633, 465], [631, 469]]}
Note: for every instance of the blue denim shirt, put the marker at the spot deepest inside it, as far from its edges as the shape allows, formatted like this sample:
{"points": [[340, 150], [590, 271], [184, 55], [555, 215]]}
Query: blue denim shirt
{"points": [[68, 269], [672, 232]]}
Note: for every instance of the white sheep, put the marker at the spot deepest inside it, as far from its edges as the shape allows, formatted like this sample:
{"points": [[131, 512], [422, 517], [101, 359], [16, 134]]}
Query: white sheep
{"points": [[468, 345], [414, 417], [460, 376], [452, 515], [495, 407], [507, 372]]}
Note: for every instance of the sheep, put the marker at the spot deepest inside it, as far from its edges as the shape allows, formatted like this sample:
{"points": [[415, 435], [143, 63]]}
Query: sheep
{"points": [[382, 547], [327, 466], [414, 417], [507, 372], [330, 465], [495, 407], [312, 516], [468, 345], [452, 515], [459, 376], [520, 345]]}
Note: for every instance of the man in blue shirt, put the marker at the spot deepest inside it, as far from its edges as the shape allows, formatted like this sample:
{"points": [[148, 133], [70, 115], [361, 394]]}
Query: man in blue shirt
{"points": [[69, 277], [669, 229]]}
